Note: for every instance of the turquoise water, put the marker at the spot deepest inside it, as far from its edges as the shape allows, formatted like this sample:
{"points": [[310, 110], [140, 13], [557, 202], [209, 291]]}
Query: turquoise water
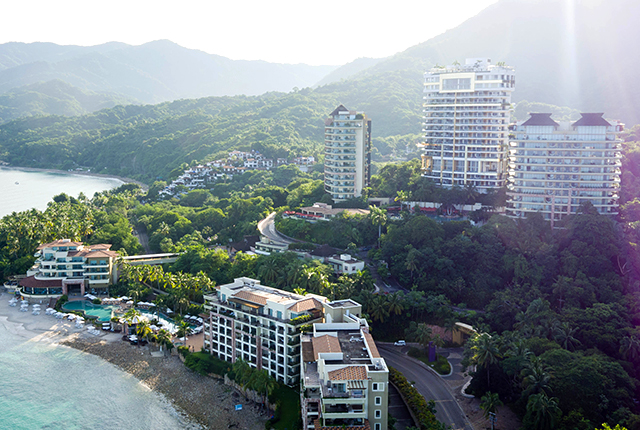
{"points": [[103, 312], [46, 386], [35, 189]]}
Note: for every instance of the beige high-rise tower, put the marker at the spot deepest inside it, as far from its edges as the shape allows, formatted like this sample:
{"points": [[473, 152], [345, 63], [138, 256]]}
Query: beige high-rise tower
{"points": [[347, 149]]}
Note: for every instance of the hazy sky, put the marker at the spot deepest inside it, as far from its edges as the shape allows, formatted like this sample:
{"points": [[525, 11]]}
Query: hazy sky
{"points": [[285, 31]]}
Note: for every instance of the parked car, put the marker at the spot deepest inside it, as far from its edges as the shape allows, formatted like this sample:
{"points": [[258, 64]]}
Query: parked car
{"points": [[400, 343]]}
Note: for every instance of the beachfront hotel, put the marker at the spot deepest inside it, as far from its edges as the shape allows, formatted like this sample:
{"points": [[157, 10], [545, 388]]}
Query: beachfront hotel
{"points": [[555, 167], [345, 381], [467, 112], [68, 267], [347, 153], [260, 325]]}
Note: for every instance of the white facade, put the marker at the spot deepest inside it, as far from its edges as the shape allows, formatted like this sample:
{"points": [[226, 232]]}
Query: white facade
{"points": [[554, 167], [347, 149], [345, 381], [257, 324], [467, 112]]}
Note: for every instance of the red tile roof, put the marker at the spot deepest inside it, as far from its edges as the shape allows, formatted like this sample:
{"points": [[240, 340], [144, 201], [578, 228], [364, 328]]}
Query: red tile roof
{"points": [[349, 373]]}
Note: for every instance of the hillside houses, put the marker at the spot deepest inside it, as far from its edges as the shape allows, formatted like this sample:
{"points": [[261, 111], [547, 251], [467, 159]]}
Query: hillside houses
{"points": [[236, 163]]}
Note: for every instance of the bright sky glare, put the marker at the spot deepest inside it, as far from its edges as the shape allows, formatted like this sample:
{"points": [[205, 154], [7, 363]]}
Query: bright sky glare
{"points": [[283, 31]]}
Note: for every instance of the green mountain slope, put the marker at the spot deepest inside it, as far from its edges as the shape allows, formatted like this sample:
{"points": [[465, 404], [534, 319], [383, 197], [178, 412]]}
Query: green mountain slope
{"points": [[577, 54], [54, 98], [154, 72]]}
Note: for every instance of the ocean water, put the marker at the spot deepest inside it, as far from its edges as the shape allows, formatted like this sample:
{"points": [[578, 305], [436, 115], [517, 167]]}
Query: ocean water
{"points": [[22, 190], [48, 386]]}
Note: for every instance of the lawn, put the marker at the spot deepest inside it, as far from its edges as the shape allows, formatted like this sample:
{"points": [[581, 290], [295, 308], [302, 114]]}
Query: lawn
{"points": [[288, 413], [441, 365]]}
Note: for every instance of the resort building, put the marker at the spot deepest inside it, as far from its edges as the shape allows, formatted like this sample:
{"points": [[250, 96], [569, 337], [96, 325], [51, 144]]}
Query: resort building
{"points": [[345, 382], [554, 167], [466, 118], [260, 325], [72, 268], [347, 153]]}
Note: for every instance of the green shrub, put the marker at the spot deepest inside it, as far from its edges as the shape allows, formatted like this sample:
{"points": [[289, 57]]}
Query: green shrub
{"points": [[301, 319], [423, 410], [61, 301], [184, 351], [204, 363], [97, 301]]}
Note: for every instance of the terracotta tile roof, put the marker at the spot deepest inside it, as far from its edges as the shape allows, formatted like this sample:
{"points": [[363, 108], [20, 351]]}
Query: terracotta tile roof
{"points": [[372, 345], [59, 242], [32, 282], [103, 246], [305, 305], [100, 253], [349, 373], [251, 297], [326, 343]]}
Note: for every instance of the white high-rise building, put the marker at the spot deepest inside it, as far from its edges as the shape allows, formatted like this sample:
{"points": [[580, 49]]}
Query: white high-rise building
{"points": [[347, 153], [467, 112], [554, 167]]}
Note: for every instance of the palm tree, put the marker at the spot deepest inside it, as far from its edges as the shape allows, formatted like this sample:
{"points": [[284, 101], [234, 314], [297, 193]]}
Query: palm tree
{"points": [[485, 352], [564, 336], [379, 309], [300, 291], [630, 348], [269, 270], [490, 403], [423, 334], [143, 330], [163, 338], [401, 196], [542, 412], [411, 262], [263, 383], [183, 329], [241, 371], [536, 377], [395, 303], [379, 218]]}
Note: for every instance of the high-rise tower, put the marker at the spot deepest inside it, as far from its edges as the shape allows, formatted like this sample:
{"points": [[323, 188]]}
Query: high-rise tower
{"points": [[466, 118], [347, 149], [554, 167]]}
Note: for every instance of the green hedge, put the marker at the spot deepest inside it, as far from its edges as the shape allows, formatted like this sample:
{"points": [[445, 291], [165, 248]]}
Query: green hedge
{"points": [[424, 411], [205, 363]]}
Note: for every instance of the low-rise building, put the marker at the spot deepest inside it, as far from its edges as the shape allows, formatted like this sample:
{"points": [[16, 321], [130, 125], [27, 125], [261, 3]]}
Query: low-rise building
{"points": [[326, 211], [344, 379], [72, 268], [345, 263]]}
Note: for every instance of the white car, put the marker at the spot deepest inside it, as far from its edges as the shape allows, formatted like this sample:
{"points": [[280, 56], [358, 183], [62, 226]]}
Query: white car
{"points": [[400, 343]]}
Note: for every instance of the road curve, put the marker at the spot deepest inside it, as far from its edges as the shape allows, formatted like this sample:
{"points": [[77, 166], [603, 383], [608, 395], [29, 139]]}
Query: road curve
{"points": [[430, 385], [267, 228]]}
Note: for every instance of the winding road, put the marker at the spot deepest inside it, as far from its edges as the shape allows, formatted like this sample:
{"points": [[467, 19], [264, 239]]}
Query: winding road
{"points": [[267, 228], [430, 385]]}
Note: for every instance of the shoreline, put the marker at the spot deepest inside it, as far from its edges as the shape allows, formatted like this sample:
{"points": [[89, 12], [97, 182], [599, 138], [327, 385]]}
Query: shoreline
{"points": [[203, 402], [122, 179]]}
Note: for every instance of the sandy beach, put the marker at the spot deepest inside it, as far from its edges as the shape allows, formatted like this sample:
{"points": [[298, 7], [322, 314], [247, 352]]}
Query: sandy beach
{"points": [[204, 400]]}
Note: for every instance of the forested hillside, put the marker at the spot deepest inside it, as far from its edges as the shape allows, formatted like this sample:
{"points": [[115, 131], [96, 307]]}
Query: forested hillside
{"points": [[54, 98], [153, 72]]}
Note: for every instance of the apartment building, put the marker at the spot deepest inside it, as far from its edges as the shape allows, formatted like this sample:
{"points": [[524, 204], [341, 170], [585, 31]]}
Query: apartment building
{"points": [[72, 268], [344, 379], [555, 167], [467, 112], [347, 160], [260, 325]]}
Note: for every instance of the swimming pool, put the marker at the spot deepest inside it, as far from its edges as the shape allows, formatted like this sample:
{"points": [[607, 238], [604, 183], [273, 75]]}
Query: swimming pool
{"points": [[103, 312]]}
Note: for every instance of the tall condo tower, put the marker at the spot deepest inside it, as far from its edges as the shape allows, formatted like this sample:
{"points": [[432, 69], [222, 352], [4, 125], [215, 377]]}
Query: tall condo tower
{"points": [[347, 153], [554, 167], [467, 112]]}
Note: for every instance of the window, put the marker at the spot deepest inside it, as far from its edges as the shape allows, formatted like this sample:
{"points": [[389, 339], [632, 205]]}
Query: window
{"points": [[378, 400], [279, 315], [378, 413], [377, 427], [378, 386], [270, 312], [375, 386]]}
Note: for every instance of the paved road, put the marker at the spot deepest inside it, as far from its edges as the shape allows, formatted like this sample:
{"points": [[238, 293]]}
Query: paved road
{"points": [[267, 228], [430, 385]]}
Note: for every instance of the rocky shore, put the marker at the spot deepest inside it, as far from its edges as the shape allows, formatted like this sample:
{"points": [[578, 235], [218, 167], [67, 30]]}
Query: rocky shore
{"points": [[204, 399]]}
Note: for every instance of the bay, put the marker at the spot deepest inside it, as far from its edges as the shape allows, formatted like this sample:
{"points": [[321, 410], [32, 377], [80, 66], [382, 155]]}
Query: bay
{"points": [[21, 190]]}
